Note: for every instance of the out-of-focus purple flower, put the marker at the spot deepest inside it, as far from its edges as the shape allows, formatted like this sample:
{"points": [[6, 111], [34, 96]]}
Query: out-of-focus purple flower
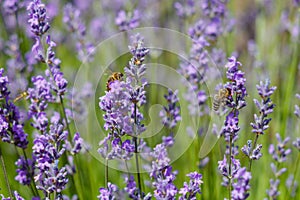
{"points": [[280, 152], [241, 186], [297, 109], [127, 21], [186, 9], [171, 113], [25, 170], [77, 28], [37, 18], [214, 8], [108, 193], [190, 189], [168, 141], [297, 144], [11, 6], [273, 192]]}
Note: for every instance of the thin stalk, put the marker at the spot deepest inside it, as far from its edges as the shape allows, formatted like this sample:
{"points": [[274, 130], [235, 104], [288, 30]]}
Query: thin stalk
{"points": [[33, 188], [5, 174], [255, 142], [294, 175], [136, 153], [65, 116], [106, 172], [229, 177]]}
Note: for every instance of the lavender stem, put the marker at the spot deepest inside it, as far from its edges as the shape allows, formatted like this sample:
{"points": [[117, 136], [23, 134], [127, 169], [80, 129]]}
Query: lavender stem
{"points": [[136, 153], [5, 174]]}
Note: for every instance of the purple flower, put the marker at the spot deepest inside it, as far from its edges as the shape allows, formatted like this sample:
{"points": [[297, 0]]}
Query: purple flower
{"points": [[253, 154], [38, 19], [190, 189], [127, 21], [241, 185], [297, 144], [61, 83], [117, 106], [131, 189], [11, 6], [231, 127], [3, 85], [171, 113], [186, 9], [214, 8], [78, 30], [108, 193], [25, 170], [280, 152], [273, 192]]}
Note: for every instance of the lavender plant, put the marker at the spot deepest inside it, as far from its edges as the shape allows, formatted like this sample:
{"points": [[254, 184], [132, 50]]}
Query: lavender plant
{"points": [[230, 166], [262, 121]]}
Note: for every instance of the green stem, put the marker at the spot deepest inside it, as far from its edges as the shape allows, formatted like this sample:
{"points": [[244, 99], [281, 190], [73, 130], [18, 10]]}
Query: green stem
{"points": [[136, 152], [106, 172], [295, 175], [229, 177], [65, 116], [33, 188], [5, 174], [255, 142]]}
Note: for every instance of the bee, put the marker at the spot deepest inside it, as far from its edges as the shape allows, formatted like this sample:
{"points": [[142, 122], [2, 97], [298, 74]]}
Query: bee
{"points": [[220, 98], [113, 77], [21, 96]]}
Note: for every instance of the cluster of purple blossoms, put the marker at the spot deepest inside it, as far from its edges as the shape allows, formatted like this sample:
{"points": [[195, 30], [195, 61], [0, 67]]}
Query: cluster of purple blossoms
{"points": [[127, 21], [38, 18], [11, 129], [241, 186], [235, 100], [162, 174], [204, 33], [47, 151], [262, 121], [279, 154], [78, 30], [191, 189], [108, 193], [171, 113]]}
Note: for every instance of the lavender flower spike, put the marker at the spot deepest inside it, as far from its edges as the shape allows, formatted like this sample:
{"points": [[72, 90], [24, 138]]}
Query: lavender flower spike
{"points": [[37, 18]]}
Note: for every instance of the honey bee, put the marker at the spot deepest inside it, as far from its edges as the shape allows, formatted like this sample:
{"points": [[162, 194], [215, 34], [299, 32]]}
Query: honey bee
{"points": [[220, 98], [21, 96], [113, 77]]}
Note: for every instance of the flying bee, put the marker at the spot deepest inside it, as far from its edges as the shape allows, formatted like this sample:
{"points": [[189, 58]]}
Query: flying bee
{"points": [[113, 77], [220, 98], [21, 96]]}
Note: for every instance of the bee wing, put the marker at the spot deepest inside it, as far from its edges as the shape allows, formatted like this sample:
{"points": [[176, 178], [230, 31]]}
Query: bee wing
{"points": [[213, 134]]}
